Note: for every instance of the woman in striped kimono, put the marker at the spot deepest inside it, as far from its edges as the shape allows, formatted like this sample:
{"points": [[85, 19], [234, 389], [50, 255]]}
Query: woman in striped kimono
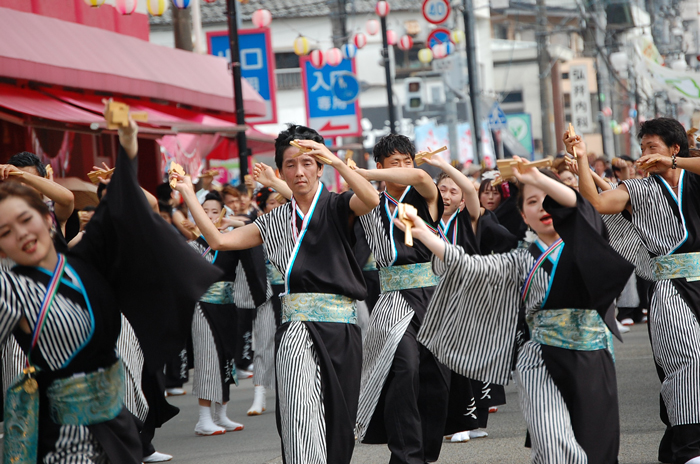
{"points": [[465, 222], [665, 212], [64, 310], [318, 346], [563, 292], [212, 326]]}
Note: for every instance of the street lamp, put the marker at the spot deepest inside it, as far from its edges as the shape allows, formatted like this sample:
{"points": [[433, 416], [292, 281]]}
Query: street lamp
{"points": [[382, 10]]}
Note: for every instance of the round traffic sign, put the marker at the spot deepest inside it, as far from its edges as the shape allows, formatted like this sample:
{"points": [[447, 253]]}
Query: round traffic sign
{"points": [[438, 36], [346, 87], [436, 11]]}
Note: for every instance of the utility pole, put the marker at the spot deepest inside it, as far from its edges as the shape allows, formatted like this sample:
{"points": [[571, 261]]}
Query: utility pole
{"points": [[543, 60], [237, 88], [601, 22], [338, 21], [387, 71], [182, 28], [473, 70]]}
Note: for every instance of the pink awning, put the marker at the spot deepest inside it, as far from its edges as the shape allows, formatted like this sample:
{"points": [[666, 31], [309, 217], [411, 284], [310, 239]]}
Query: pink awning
{"points": [[36, 104], [48, 50]]}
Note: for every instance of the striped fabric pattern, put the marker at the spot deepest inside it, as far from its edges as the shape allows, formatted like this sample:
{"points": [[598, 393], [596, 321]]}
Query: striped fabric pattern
{"points": [[276, 231], [545, 411], [76, 445], [13, 362], [66, 328], [478, 343], [129, 350], [264, 345], [301, 406], [625, 239], [242, 297], [387, 324], [675, 340], [206, 382]]}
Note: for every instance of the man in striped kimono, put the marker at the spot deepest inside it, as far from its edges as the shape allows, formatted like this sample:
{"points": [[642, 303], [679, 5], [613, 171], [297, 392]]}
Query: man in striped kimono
{"points": [[318, 346], [665, 211], [404, 393]]}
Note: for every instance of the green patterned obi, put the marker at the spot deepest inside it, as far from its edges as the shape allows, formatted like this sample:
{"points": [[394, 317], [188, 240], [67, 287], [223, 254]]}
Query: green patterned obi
{"points": [[88, 399], [318, 307], [273, 275], [572, 329], [677, 266], [408, 276], [219, 293]]}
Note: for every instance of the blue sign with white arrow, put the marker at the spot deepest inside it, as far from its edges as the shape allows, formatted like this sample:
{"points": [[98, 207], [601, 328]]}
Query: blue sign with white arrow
{"points": [[346, 87]]}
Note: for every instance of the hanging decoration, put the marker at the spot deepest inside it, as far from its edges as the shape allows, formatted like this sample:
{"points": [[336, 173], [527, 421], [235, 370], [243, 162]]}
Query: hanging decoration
{"points": [[457, 36], [262, 18], [94, 3], [391, 37], [318, 59], [372, 27], [334, 57], [349, 51], [382, 9], [607, 111], [125, 7], [301, 46], [157, 7], [210, 1], [360, 40], [406, 42], [425, 55], [182, 4], [449, 48]]}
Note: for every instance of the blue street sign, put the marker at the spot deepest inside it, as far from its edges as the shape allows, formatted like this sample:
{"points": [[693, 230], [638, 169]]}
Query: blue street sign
{"points": [[497, 118], [331, 115], [346, 87], [257, 65]]}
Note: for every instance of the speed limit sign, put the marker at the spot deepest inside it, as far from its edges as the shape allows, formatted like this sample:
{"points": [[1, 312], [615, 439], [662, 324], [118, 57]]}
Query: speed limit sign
{"points": [[436, 11]]}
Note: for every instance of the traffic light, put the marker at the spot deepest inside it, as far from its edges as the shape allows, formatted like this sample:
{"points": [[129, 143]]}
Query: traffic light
{"points": [[414, 94]]}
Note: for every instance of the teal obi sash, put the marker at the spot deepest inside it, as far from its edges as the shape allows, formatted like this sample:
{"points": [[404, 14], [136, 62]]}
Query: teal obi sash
{"points": [[88, 399], [408, 276], [677, 266], [318, 307], [572, 329], [273, 275], [371, 264], [219, 293]]}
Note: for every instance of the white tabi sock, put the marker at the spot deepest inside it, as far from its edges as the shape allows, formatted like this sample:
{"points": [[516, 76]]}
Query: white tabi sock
{"points": [[206, 425], [258, 401], [695, 460], [222, 420]]}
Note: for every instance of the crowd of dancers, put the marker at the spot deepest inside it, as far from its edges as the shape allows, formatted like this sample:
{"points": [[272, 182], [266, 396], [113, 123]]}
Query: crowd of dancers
{"points": [[322, 297]]}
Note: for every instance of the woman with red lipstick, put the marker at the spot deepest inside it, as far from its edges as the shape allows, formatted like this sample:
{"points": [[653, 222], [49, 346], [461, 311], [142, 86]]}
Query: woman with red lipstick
{"points": [[560, 298], [64, 310]]}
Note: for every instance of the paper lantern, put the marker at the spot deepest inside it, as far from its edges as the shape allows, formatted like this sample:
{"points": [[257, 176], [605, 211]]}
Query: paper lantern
{"points": [[157, 7], [210, 1], [425, 55], [182, 4], [360, 40], [262, 18], [391, 37], [457, 36], [349, 51], [372, 26], [607, 111], [301, 45], [617, 130], [317, 59], [125, 7], [334, 57], [94, 3], [624, 127], [449, 48], [439, 51], [382, 9], [630, 122], [406, 42]]}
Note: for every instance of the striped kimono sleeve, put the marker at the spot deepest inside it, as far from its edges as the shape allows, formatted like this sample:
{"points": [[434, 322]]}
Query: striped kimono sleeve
{"points": [[10, 307], [471, 321]]}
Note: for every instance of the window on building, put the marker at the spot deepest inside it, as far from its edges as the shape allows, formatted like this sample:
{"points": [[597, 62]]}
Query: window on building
{"points": [[286, 60], [287, 71], [515, 96]]}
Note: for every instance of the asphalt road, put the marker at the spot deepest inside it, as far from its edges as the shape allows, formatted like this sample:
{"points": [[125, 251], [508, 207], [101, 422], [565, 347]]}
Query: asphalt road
{"points": [[638, 388]]}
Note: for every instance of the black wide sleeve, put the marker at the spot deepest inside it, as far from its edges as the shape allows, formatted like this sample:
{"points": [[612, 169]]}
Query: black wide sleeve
{"points": [[590, 273], [156, 277]]}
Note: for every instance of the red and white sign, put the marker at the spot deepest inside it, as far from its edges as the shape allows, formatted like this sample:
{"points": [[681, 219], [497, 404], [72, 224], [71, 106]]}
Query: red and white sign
{"points": [[436, 11]]}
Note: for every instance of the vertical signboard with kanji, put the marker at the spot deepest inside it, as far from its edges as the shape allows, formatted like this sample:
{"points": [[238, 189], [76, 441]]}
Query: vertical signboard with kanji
{"points": [[257, 65], [329, 115], [580, 99]]}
